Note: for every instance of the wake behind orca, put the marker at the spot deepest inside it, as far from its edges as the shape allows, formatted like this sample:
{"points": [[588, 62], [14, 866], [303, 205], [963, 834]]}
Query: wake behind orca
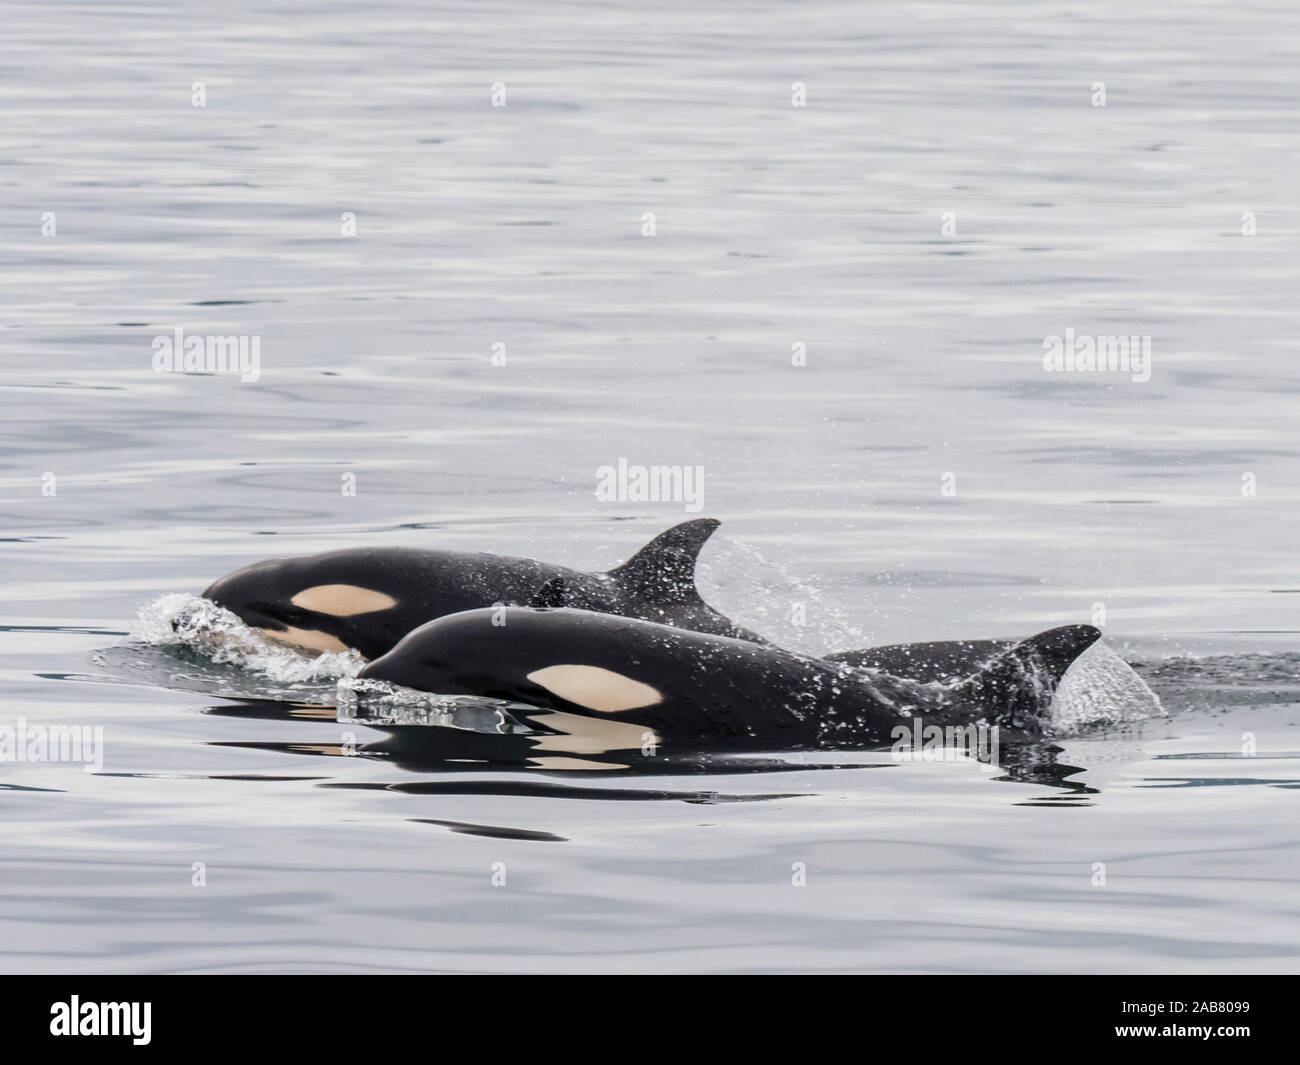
{"points": [[369, 598], [641, 679]]}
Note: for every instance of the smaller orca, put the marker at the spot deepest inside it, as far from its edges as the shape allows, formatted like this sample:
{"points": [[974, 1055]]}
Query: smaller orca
{"points": [[369, 598], [641, 679]]}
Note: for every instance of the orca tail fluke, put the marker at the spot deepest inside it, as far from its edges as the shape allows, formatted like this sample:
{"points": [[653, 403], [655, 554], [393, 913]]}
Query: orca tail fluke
{"points": [[1016, 687], [664, 570]]}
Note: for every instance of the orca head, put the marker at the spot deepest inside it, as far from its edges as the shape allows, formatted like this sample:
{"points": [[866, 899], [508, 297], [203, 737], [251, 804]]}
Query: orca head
{"points": [[311, 603], [571, 660], [585, 681], [656, 584]]}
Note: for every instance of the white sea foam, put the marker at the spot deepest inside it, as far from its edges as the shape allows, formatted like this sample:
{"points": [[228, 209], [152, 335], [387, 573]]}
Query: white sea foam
{"points": [[199, 625], [377, 702], [748, 587]]}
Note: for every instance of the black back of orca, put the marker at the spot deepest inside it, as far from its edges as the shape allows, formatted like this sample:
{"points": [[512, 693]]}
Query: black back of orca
{"points": [[369, 598], [942, 660], [652, 683]]}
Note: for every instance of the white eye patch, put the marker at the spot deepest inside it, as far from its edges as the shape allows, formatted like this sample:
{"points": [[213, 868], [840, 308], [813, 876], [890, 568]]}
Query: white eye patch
{"points": [[342, 600], [596, 688]]}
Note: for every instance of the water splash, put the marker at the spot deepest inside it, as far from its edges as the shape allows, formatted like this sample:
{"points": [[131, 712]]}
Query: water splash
{"points": [[759, 594], [199, 625], [1101, 690], [377, 702]]}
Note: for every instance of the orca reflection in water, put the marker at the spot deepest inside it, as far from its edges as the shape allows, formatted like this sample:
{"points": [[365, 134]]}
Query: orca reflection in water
{"points": [[471, 746], [369, 598], [639, 679]]}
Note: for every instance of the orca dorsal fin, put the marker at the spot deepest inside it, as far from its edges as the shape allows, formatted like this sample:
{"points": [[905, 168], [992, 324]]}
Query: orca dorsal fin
{"points": [[664, 570], [1020, 682]]}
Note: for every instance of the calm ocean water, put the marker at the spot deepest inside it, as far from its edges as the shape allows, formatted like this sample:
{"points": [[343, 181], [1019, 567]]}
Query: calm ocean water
{"points": [[949, 196]]}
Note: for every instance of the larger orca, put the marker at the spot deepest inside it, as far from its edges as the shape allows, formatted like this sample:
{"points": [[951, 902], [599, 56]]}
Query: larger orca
{"points": [[369, 598], [640, 679]]}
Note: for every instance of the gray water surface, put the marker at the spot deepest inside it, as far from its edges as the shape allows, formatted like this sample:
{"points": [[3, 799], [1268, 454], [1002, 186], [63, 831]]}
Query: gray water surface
{"points": [[921, 477]]}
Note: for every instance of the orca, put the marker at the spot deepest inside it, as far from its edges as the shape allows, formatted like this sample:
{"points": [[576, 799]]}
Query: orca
{"points": [[369, 598], [645, 682]]}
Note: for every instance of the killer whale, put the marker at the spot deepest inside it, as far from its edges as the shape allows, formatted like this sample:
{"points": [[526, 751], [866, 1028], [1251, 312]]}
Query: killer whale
{"points": [[367, 599], [642, 680]]}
